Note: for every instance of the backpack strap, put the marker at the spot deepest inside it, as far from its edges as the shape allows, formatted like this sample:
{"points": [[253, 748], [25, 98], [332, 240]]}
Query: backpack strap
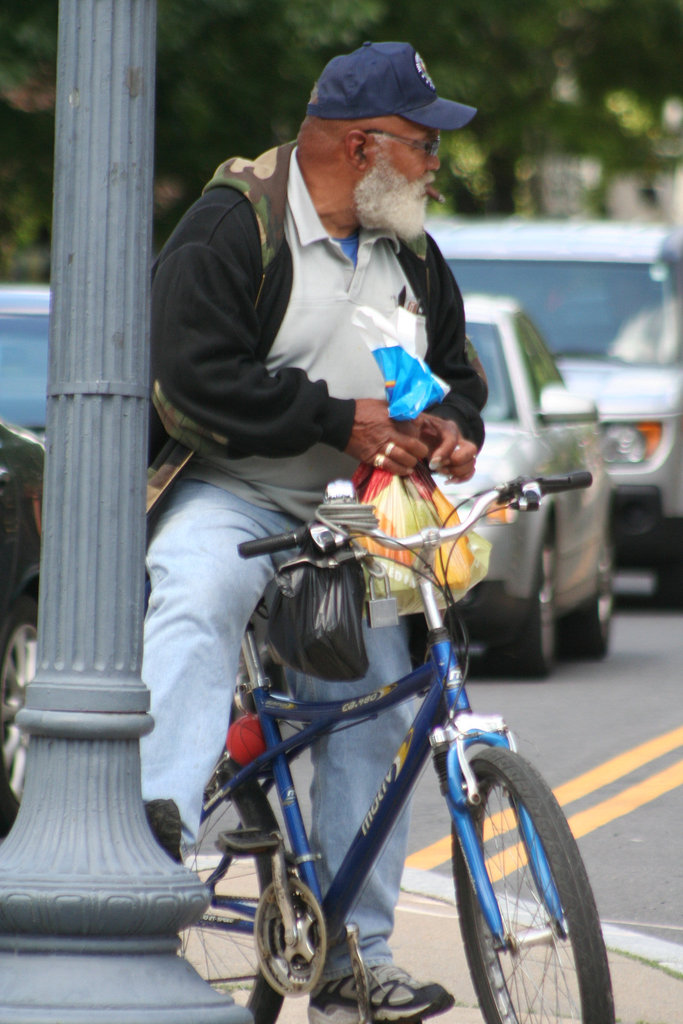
{"points": [[173, 457]]}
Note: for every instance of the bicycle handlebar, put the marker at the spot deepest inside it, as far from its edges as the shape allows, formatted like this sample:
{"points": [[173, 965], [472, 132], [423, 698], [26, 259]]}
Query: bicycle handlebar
{"points": [[276, 542], [522, 493], [571, 482]]}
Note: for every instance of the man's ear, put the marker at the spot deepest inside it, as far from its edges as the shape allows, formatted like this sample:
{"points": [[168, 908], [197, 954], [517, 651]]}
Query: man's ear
{"points": [[355, 144]]}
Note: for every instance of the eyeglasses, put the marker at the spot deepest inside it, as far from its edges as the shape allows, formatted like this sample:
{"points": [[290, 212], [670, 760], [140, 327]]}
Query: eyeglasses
{"points": [[428, 146]]}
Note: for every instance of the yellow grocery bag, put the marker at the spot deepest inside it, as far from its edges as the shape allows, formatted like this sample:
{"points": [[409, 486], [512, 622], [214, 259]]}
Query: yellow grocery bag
{"points": [[405, 505]]}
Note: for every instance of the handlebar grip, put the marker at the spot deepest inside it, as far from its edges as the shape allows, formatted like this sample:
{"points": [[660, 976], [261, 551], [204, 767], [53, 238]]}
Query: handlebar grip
{"points": [[269, 545], [570, 482]]}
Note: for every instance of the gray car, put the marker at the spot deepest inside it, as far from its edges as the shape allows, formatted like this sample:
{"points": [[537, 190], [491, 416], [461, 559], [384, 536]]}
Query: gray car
{"points": [[609, 300], [549, 585]]}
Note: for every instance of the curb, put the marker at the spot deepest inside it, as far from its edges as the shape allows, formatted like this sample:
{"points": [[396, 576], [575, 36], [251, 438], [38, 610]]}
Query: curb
{"points": [[658, 952]]}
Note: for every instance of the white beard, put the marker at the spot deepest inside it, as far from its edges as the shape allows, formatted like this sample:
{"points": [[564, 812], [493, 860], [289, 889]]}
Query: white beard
{"points": [[386, 200]]}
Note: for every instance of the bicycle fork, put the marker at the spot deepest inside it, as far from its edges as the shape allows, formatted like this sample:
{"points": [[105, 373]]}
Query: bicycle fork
{"points": [[460, 788]]}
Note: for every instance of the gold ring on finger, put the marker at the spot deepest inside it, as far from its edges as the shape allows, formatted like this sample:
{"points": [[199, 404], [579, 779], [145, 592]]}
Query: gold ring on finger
{"points": [[389, 448], [379, 461]]}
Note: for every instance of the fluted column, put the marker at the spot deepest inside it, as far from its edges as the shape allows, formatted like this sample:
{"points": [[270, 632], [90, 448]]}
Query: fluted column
{"points": [[90, 906]]}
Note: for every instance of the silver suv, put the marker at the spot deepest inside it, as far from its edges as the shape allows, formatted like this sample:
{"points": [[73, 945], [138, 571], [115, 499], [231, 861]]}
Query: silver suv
{"points": [[609, 299]]}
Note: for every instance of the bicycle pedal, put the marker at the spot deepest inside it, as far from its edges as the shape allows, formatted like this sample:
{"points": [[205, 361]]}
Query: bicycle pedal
{"points": [[248, 842]]}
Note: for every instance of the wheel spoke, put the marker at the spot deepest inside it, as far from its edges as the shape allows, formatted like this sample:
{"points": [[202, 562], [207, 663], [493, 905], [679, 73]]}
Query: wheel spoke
{"points": [[551, 971], [216, 945], [529, 970], [221, 945]]}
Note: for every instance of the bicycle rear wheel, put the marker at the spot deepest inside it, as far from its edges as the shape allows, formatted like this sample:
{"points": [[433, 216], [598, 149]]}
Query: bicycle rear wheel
{"points": [[549, 973], [220, 946]]}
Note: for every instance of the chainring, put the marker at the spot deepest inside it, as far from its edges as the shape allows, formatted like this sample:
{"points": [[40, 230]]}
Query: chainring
{"points": [[294, 969]]}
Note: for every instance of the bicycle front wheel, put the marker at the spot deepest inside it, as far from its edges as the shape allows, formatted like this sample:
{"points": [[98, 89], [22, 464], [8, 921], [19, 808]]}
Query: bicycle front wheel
{"points": [[221, 946], [554, 968]]}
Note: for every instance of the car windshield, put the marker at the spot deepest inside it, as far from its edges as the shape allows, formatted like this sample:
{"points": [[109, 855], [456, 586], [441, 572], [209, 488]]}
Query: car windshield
{"points": [[622, 311], [500, 405], [23, 369]]}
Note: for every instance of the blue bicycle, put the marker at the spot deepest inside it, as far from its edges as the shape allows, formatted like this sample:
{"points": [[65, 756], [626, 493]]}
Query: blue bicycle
{"points": [[527, 913]]}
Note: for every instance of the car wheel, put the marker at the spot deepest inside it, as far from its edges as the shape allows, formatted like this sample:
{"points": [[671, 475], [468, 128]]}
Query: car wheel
{"points": [[585, 633], [18, 641], [669, 592], [533, 652]]}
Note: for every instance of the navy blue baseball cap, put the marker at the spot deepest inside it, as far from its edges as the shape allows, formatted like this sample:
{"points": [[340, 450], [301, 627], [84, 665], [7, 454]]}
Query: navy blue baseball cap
{"points": [[383, 79]]}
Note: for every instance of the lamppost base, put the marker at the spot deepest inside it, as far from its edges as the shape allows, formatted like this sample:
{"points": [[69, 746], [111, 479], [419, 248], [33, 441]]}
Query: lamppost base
{"points": [[90, 912], [55, 986]]}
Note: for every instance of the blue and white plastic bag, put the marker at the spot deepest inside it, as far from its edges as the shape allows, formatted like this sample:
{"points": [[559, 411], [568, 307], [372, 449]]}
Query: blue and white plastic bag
{"points": [[410, 385]]}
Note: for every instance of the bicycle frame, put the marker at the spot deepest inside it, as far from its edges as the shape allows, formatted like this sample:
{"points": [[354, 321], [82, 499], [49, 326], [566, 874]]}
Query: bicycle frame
{"points": [[527, 913], [444, 720]]}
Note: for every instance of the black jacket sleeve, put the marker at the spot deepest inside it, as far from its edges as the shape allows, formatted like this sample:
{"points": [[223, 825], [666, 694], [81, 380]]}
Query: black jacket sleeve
{"points": [[206, 340], [447, 346], [447, 352]]}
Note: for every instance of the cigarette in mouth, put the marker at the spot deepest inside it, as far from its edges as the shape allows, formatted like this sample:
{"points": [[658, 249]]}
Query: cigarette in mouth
{"points": [[433, 194]]}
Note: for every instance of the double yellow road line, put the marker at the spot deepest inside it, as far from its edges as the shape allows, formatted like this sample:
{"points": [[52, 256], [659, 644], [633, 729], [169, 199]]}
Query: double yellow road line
{"points": [[607, 810]]}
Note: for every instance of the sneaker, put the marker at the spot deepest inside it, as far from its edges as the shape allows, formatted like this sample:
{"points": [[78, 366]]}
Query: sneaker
{"points": [[163, 817], [394, 996]]}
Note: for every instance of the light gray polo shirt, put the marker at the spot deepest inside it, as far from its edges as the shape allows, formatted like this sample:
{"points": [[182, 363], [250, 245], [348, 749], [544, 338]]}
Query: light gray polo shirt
{"points": [[317, 336]]}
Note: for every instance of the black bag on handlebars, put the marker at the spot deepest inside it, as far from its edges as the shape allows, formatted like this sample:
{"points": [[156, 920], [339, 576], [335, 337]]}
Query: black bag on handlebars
{"points": [[315, 619]]}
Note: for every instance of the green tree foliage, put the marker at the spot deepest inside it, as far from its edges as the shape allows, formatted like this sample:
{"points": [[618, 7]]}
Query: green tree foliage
{"points": [[28, 36], [233, 78], [573, 77]]}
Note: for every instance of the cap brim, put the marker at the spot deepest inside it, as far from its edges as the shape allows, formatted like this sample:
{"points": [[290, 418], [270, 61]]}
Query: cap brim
{"points": [[446, 115]]}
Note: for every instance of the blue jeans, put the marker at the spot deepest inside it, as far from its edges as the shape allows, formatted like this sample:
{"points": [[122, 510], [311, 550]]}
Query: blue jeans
{"points": [[202, 596]]}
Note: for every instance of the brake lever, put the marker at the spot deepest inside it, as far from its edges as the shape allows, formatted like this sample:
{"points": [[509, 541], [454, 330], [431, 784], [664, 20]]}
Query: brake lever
{"points": [[530, 498], [326, 539]]}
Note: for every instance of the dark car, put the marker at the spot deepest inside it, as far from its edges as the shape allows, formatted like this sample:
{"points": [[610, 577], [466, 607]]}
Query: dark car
{"points": [[21, 485], [24, 317]]}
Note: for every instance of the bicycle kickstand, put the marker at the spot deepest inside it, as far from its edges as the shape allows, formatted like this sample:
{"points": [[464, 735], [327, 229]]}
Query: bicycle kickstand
{"points": [[360, 975]]}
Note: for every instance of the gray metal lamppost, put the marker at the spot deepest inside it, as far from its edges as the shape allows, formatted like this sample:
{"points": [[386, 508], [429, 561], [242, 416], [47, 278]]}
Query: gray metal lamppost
{"points": [[89, 904]]}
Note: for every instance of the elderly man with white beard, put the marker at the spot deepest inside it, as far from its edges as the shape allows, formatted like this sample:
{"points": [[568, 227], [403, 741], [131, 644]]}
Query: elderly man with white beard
{"points": [[260, 372]]}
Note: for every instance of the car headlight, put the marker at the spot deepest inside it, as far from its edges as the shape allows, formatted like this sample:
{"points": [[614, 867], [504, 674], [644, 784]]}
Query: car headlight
{"points": [[630, 442]]}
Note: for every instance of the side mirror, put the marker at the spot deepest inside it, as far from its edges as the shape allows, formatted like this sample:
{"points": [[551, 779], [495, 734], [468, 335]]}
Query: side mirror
{"points": [[561, 406]]}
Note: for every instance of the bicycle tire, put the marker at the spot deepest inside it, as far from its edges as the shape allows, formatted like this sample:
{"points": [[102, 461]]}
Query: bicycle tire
{"points": [[558, 978], [217, 951]]}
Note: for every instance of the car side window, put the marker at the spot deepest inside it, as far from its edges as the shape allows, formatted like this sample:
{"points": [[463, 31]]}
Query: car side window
{"points": [[500, 404], [23, 369], [540, 363]]}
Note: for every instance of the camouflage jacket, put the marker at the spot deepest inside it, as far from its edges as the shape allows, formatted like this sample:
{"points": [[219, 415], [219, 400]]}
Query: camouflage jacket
{"points": [[221, 286]]}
